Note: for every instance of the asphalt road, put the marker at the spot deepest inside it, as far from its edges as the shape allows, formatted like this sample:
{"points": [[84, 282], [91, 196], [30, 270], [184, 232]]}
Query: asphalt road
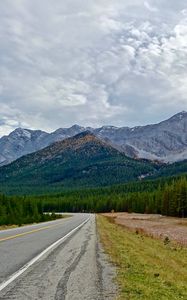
{"points": [[75, 268]]}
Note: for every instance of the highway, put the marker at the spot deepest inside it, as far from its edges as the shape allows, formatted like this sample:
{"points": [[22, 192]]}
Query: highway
{"points": [[60, 259]]}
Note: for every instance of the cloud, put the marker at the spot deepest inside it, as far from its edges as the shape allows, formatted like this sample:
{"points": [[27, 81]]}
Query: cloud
{"points": [[91, 62], [150, 7]]}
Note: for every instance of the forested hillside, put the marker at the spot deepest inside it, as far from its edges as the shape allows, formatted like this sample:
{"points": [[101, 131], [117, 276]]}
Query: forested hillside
{"points": [[81, 161], [172, 169]]}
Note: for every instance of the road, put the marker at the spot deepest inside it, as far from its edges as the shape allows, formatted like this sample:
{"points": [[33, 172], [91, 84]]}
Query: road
{"points": [[61, 259]]}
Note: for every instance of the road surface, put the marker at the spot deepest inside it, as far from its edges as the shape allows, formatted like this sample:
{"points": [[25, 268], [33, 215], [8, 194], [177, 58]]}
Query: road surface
{"points": [[61, 259]]}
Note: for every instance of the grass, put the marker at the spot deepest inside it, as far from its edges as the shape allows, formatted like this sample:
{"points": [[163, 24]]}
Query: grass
{"points": [[4, 227], [146, 268]]}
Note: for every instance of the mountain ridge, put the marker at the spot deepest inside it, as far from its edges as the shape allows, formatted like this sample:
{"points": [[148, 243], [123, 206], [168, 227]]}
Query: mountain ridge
{"points": [[165, 141]]}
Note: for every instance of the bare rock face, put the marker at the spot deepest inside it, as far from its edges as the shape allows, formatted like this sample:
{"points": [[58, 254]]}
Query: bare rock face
{"points": [[166, 141]]}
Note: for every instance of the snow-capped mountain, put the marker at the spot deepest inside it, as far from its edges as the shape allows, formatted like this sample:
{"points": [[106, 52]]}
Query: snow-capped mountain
{"points": [[166, 141]]}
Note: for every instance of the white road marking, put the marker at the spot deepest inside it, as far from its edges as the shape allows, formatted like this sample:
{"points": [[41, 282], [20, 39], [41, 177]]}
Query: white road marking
{"points": [[35, 259]]}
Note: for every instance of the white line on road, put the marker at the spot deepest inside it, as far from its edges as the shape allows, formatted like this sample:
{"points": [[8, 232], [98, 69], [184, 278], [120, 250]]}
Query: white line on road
{"points": [[35, 259]]}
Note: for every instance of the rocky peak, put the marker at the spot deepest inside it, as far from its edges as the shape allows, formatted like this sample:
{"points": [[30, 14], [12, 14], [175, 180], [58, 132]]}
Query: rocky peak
{"points": [[76, 127], [20, 132], [178, 117]]}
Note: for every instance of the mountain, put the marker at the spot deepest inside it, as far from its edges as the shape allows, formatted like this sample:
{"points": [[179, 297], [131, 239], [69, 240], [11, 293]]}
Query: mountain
{"points": [[83, 160], [24, 141], [165, 142], [20, 142]]}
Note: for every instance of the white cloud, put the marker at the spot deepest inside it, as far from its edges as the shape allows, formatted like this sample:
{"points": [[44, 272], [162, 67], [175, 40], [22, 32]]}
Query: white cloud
{"points": [[150, 7], [91, 62]]}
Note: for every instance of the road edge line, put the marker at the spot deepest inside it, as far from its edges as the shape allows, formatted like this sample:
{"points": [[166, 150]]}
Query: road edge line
{"points": [[14, 276]]}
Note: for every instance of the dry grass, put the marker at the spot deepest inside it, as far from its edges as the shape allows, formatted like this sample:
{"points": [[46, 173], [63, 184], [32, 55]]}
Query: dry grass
{"points": [[146, 268], [4, 227], [156, 226]]}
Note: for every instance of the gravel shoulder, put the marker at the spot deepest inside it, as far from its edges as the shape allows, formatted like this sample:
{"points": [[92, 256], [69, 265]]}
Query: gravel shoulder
{"points": [[77, 269]]}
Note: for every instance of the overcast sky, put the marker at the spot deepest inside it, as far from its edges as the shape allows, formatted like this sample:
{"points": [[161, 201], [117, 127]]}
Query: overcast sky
{"points": [[91, 62]]}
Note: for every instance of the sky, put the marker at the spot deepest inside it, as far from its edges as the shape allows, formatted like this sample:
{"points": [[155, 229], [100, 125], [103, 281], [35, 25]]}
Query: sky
{"points": [[91, 62]]}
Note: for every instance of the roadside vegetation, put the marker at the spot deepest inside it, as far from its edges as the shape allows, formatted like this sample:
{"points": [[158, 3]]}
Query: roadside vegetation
{"points": [[146, 268]]}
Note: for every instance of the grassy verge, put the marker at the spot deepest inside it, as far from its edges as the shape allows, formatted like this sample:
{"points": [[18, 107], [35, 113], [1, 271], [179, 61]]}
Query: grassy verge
{"points": [[146, 268], [4, 227]]}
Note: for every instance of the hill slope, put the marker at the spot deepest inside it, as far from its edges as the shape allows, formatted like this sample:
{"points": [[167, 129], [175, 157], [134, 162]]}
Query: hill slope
{"points": [[83, 160]]}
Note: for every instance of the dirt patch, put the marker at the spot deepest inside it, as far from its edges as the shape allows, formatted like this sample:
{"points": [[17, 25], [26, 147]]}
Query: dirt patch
{"points": [[157, 226]]}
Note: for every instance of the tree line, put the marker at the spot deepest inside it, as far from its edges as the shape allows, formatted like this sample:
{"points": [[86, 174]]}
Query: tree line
{"points": [[21, 210], [168, 198], [161, 197]]}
